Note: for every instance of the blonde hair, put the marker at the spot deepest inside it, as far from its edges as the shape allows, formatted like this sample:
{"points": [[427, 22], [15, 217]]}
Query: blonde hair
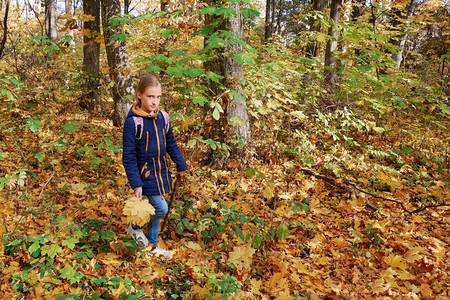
{"points": [[148, 80]]}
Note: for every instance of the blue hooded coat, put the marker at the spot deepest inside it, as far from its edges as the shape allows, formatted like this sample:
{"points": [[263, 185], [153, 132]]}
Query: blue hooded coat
{"points": [[145, 159]]}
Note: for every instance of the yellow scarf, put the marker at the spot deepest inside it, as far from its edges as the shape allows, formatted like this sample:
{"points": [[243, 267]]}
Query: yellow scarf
{"points": [[142, 113]]}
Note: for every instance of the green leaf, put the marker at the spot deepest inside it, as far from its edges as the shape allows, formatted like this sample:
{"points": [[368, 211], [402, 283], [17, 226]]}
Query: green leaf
{"points": [[364, 69], [70, 274], [154, 69], [178, 53], [167, 32], [163, 58], [70, 242], [257, 242], [200, 99], [251, 172], [445, 108], [39, 156], [215, 41], [120, 36], [192, 143], [239, 233], [176, 71], [194, 72], [213, 76], [34, 247], [243, 57], [71, 127], [248, 12], [51, 250], [282, 232], [307, 162]]}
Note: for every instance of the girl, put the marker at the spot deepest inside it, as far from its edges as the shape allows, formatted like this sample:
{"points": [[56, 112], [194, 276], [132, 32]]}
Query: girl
{"points": [[147, 137]]}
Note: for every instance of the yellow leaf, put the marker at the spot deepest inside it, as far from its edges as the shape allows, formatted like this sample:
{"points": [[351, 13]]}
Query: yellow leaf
{"points": [[412, 254], [322, 261], [147, 274], [193, 246], [425, 290], [268, 191], [119, 290], [241, 256], [138, 211], [255, 286], [200, 291], [300, 268], [110, 259], [379, 286], [121, 181], [396, 261]]}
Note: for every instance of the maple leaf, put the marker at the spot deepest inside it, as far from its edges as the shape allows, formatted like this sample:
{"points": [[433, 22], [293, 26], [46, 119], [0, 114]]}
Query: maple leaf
{"points": [[70, 274], [51, 250], [396, 261], [241, 256], [138, 211], [379, 286]]}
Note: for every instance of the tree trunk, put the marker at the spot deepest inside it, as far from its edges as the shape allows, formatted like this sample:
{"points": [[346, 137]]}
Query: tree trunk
{"points": [[279, 17], [5, 29], [237, 109], [91, 53], [401, 42], [267, 26], [333, 32], [68, 8], [314, 26], [126, 7], [119, 68], [50, 19], [233, 125]]}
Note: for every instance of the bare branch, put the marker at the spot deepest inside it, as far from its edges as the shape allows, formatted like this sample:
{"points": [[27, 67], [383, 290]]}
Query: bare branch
{"points": [[349, 183]]}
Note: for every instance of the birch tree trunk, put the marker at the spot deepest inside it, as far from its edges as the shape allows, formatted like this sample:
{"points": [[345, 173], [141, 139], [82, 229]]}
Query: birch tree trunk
{"points": [[119, 68], [330, 59], [68, 8], [401, 42]]}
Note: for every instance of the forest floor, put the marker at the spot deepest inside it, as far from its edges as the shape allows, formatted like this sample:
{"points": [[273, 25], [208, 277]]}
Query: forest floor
{"points": [[269, 230]]}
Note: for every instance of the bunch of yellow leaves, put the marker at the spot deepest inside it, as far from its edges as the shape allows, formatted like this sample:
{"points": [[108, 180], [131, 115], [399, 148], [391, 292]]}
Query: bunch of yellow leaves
{"points": [[138, 211]]}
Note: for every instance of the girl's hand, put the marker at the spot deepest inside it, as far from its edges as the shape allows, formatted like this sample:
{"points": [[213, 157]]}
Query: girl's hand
{"points": [[138, 192], [181, 174]]}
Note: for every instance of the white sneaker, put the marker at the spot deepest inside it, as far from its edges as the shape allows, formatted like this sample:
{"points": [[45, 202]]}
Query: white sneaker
{"points": [[138, 236], [159, 251]]}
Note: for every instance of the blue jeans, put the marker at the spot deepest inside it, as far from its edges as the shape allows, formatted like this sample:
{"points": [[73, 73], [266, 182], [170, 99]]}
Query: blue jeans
{"points": [[161, 209]]}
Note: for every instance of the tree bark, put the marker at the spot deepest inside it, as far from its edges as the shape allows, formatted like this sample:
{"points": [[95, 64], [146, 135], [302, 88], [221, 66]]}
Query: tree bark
{"points": [[126, 6], [91, 53], [233, 124], [330, 59], [401, 42], [267, 26], [119, 68], [234, 71], [50, 19], [68, 8], [5, 29]]}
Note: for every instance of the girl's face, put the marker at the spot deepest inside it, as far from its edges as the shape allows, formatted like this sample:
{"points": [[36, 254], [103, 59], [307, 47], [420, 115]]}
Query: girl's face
{"points": [[150, 98]]}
